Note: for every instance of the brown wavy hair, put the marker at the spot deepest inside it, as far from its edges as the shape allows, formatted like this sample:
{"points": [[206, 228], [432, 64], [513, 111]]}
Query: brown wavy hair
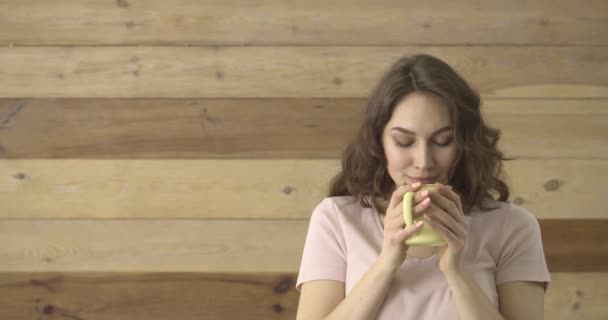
{"points": [[477, 172]]}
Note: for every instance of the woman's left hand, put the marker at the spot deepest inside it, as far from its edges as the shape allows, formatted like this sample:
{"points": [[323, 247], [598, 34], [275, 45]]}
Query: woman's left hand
{"points": [[445, 215]]}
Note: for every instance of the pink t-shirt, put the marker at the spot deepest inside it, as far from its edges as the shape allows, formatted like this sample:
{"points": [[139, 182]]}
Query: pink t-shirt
{"points": [[344, 240]]}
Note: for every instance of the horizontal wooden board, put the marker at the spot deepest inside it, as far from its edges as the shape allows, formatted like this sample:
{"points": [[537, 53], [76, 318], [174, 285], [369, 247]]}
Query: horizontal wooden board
{"points": [[571, 296], [558, 189], [386, 22], [250, 189], [226, 245], [267, 128], [156, 246], [567, 241], [577, 296], [147, 296], [289, 72], [169, 188]]}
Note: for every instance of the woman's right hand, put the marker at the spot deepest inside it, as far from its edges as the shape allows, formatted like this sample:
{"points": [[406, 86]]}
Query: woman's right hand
{"points": [[394, 249]]}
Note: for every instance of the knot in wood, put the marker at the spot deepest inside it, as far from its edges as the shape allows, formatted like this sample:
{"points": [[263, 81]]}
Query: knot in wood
{"points": [[48, 309], [552, 185], [283, 286], [277, 308]]}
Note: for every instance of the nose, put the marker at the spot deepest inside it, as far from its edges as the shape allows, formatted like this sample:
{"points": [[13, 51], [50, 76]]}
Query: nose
{"points": [[423, 157]]}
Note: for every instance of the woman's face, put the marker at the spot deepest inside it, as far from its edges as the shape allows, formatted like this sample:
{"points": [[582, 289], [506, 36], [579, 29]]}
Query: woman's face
{"points": [[419, 140]]}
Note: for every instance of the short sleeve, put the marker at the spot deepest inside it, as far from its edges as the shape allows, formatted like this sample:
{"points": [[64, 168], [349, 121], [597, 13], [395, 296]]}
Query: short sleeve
{"points": [[522, 257], [324, 255]]}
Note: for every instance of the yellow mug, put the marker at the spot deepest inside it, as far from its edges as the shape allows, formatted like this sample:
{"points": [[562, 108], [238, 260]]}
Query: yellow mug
{"points": [[425, 236]]}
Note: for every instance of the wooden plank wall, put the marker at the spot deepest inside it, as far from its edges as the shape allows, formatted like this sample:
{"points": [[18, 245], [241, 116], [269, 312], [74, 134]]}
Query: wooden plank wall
{"points": [[161, 159]]}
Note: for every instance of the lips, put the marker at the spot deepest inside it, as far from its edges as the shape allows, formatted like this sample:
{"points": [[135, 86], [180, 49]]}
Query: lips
{"points": [[425, 180]]}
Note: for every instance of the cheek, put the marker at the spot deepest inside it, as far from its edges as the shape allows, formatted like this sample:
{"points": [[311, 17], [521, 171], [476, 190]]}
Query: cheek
{"points": [[396, 157], [391, 155], [448, 156]]}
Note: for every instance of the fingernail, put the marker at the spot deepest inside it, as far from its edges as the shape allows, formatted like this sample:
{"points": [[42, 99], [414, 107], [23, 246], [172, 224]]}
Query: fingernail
{"points": [[418, 224], [416, 184], [425, 193]]}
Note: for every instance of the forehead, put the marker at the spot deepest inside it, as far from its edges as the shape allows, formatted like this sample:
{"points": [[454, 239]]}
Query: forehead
{"points": [[421, 113]]}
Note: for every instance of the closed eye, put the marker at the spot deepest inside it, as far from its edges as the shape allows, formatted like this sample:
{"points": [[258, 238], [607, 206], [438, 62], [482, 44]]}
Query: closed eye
{"points": [[445, 144]]}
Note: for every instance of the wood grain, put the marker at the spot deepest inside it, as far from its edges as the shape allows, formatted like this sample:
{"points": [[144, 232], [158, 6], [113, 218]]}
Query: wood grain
{"points": [[225, 245], [221, 296], [148, 296], [577, 296], [290, 72], [250, 189], [580, 246], [387, 22], [152, 245], [223, 189], [176, 179], [267, 128]]}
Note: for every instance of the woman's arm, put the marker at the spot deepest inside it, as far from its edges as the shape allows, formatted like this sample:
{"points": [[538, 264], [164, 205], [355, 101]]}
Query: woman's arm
{"points": [[471, 302], [518, 300], [324, 299], [446, 217], [522, 300], [319, 299]]}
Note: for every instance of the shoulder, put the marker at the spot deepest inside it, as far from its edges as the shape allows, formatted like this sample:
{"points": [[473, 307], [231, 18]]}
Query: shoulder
{"points": [[338, 206], [338, 218], [505, 222], [343, 213], [504, 214], [514, 217]]}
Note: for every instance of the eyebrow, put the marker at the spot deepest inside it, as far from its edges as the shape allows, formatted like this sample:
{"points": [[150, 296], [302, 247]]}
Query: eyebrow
{"points": [[404, 130]]}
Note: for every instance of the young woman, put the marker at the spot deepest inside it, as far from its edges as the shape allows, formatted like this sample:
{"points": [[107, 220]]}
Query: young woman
{"points": [[422, 124]]}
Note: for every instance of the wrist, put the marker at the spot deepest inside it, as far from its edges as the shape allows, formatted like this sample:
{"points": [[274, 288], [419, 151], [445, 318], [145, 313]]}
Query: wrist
{"points": [[452, 273], [385, 266]]}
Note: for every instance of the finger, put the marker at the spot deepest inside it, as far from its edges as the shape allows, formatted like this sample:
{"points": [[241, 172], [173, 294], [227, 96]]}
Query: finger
{"points": [[442, 217], [422, 206], [407, 232], [394, 219], [393, 223], [458, 229], [447, 205], [449, 236], [397, 213], [443, 232], [397, 197], [449, 193]]}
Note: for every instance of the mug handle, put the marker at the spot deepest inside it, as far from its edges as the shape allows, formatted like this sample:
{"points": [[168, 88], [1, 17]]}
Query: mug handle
{"points": [[407, 208]]}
